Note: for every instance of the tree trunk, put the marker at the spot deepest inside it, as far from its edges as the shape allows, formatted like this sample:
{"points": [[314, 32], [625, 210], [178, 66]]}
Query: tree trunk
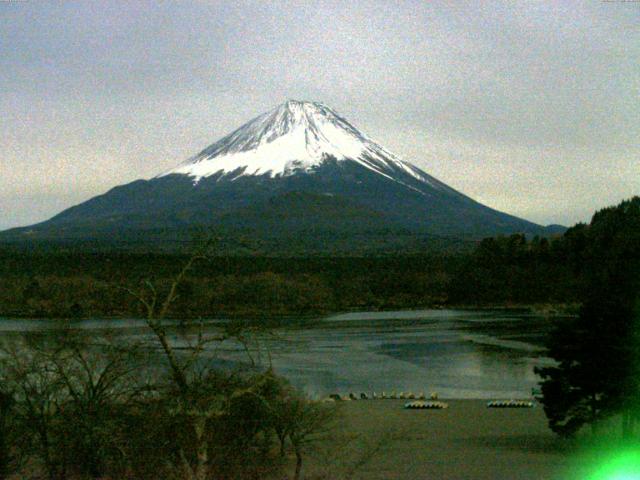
{"points": [[282, 440], [186, 466], [177, 372], [298, 465], [202, 453]]}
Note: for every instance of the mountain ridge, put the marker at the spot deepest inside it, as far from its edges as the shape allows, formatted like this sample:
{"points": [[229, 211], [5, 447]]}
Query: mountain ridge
{"points": [[296, 147]]}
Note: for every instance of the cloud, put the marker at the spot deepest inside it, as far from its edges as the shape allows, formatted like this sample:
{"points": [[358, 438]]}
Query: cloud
{"points": [[529, 107]]}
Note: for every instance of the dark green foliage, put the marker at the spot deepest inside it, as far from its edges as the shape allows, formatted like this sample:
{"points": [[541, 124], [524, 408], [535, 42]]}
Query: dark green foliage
{"points": [[75, 285], [598, 353], [512, 270], [578, 390], [503, 270]]}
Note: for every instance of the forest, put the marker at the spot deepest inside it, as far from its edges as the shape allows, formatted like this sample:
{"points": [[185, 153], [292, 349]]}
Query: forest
{"points": [[501, 271]]}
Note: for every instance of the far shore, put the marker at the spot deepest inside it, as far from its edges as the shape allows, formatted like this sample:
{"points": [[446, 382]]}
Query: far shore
{"points": [[548, 310]]}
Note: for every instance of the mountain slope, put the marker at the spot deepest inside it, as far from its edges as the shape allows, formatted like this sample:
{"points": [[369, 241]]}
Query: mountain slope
{"points": [[302, 160]]}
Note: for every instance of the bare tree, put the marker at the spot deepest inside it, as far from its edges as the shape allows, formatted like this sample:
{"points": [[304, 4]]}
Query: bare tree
{"points": [[100, 383], [197, 398], [67, 396], [309, 421], [194, 400], [303, 422], [27, 371]]}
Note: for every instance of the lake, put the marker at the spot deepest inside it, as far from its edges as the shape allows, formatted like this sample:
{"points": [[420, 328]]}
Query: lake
{"points": [[456, 353]]}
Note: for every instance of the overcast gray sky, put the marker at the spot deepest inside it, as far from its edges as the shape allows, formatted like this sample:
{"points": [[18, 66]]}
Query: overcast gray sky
{"points": [[531, 108]]}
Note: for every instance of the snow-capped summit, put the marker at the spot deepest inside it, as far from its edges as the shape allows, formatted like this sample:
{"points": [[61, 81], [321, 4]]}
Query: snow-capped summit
{"points": [[296, 136]]}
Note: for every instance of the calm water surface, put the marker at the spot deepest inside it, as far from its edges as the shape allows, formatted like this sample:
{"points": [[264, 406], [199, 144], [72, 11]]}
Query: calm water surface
{"points": [[456, 353]]}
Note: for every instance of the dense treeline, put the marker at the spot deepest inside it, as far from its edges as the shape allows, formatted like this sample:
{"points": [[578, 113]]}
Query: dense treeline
{"points": [[82, 284], [500, 271], [514, 270], [597, 375], [508, 270]]}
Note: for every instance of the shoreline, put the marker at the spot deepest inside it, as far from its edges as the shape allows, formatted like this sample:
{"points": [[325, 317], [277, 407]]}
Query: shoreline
{"points": [[550, 310]]}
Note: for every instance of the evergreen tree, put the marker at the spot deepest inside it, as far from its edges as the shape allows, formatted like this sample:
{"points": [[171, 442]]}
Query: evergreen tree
{"points": [[598, 353]]}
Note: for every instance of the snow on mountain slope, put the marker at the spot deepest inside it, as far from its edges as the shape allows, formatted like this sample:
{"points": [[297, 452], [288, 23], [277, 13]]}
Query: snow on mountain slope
{"points": [[295, 137]]}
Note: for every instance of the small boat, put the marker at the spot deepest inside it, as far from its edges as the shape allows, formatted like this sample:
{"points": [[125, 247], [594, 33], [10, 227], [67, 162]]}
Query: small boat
{"points": [[422, 405], [510, 404]]}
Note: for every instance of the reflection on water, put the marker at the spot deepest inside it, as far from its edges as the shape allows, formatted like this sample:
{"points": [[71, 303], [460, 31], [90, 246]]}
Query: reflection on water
{"points": [[459, 354]]}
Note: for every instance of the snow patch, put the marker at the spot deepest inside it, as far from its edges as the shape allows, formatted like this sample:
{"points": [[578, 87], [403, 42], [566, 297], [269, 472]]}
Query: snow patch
{"points": [[294, 137]]}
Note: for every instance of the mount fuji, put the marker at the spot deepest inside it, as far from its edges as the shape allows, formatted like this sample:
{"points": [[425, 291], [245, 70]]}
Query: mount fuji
{"points": [[299, 175]]}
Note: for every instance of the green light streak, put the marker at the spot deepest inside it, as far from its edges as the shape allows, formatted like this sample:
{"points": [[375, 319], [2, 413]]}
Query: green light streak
{"points": [[619, 466]]}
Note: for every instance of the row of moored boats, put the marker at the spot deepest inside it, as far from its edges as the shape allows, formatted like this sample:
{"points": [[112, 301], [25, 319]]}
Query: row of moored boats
{"points": [[382, 396], [419, 401]]}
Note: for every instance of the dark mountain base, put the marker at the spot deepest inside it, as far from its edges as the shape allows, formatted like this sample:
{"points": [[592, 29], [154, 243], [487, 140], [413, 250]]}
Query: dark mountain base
{"points": [[339, 209]]}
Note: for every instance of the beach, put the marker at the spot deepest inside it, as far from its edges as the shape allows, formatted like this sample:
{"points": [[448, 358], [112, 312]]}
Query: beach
{"points": [[379, 439]]}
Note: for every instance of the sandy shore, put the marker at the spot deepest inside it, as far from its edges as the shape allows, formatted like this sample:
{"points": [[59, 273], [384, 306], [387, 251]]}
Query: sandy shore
{"points": [[379, 439]]}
